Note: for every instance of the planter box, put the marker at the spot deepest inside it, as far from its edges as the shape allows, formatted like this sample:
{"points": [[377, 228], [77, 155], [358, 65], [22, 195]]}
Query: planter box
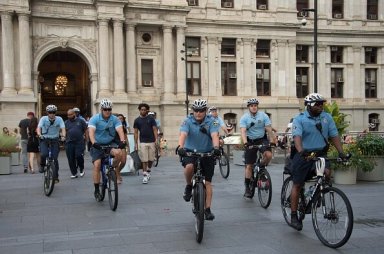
{"points": [[238, 157], [5, 165], [377, 174], [345, 176], [15, 159]]}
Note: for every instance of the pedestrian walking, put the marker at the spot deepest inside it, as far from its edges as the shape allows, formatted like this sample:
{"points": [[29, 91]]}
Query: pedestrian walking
{"points": [[33, 147], [76, 129], [145, 127], [23, 126]]}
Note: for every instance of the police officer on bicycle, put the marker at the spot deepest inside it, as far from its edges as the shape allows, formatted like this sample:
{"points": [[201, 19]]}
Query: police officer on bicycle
{"points": [[49, 128], [253, 126], [102, 129], [311, 131], [199, 132]]}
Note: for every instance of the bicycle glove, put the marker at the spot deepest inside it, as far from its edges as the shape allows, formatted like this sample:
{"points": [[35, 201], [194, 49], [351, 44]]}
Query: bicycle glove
{"points": [[96, 146], [216, 152], [122, 144], [181, 152]]}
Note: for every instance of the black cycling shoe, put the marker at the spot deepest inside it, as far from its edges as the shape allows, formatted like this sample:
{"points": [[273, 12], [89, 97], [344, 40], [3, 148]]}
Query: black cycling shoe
{"points": [[41, 169], [97, 196], [247, 193], [187, 193], [296, 223], [208, 214]]}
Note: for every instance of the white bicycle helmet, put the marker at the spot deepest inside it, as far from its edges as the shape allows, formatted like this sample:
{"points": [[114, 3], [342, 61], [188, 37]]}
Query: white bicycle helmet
{"points": [[77, 110], [252, 101], [212, 109], [313, 97], [199, 104], [51, 108], [151, 113], [106, 103]]}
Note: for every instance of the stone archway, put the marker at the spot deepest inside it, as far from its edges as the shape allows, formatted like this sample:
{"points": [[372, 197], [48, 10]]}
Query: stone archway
{"points": [[64, 79]]}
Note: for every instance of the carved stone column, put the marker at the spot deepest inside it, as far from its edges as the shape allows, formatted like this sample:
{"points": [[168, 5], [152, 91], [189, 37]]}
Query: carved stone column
{"points": [[167, 61], [247, 68], [131, 57], [324, 86], [104, 59], [8, 55], [213, 73], [118, 58], [25, 55], [180, 64]]}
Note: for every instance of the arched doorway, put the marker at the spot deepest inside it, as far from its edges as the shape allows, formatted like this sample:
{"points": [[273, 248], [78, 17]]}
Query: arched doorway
{"points": [[64, 82]]}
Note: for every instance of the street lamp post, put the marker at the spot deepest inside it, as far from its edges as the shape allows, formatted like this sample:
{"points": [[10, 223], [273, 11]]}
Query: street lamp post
{"points": [[314, 10], [185, 58]]}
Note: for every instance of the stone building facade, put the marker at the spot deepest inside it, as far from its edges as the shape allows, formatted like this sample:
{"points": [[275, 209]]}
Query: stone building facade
{"points": [[75, 52]]}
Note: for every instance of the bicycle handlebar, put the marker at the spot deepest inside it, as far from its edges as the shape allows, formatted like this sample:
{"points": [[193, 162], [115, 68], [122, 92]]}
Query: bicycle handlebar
{"points": [[106, 147], [198, 155]]}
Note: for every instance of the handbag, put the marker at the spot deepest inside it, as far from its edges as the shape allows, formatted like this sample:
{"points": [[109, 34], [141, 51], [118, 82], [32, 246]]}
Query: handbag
{"points": [[136, 160]]}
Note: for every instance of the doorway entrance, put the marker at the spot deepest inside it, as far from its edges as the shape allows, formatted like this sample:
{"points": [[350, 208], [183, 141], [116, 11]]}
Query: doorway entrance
{"points": [[64, 82]]}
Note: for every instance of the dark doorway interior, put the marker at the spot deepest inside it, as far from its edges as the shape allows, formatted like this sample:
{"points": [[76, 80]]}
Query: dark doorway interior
{"points": [[64, 80]]}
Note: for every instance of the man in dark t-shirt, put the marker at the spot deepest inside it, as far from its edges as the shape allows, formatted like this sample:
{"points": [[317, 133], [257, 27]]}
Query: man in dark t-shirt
{"points": [[75, 142], [147, 127], [23, 125]]}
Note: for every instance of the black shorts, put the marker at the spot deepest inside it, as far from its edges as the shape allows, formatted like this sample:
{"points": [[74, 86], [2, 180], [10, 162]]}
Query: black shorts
{"points": [[303, 170], [250, 155], [207, 165], [97, 154]]}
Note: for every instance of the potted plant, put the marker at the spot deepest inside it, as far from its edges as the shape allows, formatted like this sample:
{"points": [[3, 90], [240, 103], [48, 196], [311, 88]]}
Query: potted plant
{"points": [[371, 146], [8, 145], [346, 173]]}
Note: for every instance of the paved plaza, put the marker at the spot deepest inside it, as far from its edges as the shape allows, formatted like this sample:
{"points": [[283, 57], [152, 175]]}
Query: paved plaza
{"points": [[154, 218]]}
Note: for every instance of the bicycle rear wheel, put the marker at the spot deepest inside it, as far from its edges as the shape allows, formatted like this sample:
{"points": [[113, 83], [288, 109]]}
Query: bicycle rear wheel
{"points": [[157, 157], [224, 165], [113, 196], [286, 201], [49, 182], [199, 203], [332, 217], [264, 188]]}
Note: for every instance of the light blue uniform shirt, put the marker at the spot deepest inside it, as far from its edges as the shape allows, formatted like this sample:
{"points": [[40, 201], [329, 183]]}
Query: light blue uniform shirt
{"points": [[196, 139], [51, 129], [157, 123], [304, 126], [220, 121], [260, 120], [105, 131]]}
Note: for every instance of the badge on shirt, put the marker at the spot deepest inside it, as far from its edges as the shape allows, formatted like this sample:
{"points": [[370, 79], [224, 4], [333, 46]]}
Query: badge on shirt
{"points": [[215, 123]]}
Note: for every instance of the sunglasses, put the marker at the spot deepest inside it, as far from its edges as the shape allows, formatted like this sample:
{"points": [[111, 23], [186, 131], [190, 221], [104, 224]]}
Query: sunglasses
{"points": [[51, 112], [107, 109], [199, 110], [254, 105], [317, 103]]}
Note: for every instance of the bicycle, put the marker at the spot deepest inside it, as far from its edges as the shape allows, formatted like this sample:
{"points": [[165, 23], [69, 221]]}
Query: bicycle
{"points": [[223, 161], [261, 179], [49, 169], [198, 194], [332, 215], [109, 180], [157, 150]]}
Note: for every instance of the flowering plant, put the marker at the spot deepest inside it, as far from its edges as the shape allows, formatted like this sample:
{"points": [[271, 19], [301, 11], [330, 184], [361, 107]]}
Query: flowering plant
{"points": [[358, 160]]}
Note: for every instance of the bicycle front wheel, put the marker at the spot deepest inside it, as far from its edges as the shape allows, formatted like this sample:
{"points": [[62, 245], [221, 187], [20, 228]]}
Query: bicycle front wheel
{"points": [[224, 165], [332, 217], [49, 182], [199, 204], [264, 188], [112, 189]]}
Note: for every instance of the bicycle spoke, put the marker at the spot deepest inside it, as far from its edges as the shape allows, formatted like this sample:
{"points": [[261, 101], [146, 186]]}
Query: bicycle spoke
{"points": [[332, 217]]}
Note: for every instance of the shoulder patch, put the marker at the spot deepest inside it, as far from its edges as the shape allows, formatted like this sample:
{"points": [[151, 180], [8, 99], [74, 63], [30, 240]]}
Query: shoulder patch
{"points": [[184, 123]]}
